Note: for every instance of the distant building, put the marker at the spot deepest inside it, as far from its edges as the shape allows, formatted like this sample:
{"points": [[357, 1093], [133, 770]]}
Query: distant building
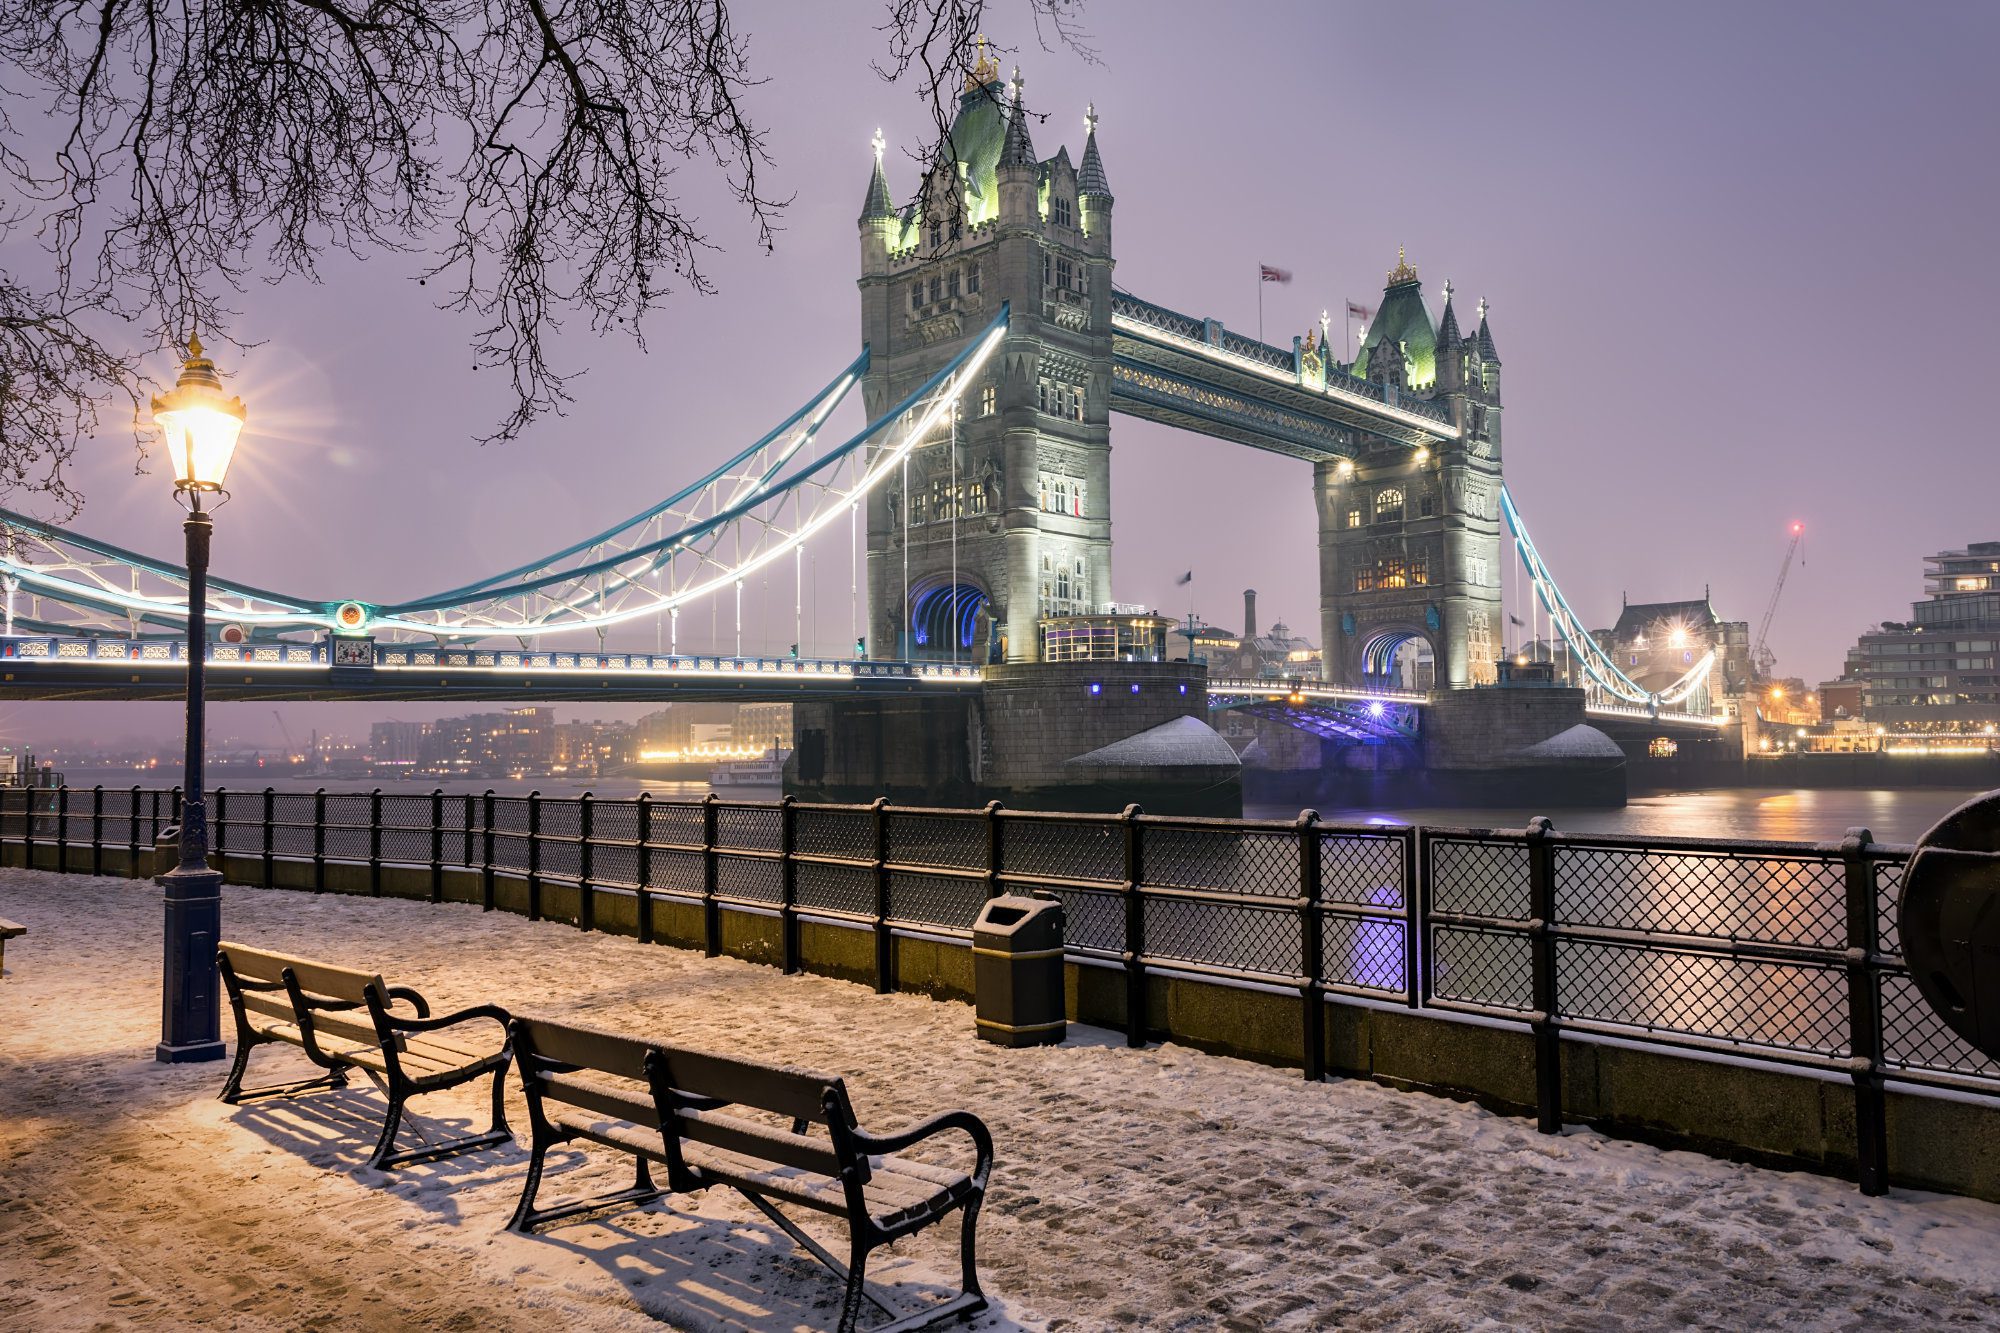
{"points": [[1656, 643], [1840, 699], [400, 743], [1935, 672], [763, 724]]}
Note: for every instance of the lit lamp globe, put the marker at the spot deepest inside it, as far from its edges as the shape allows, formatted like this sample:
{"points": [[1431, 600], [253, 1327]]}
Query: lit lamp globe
{"points": [[200, 426]]}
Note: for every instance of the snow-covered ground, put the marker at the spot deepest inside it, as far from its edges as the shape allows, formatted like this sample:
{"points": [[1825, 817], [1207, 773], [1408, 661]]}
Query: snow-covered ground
{"points": [[1161, 1188]]}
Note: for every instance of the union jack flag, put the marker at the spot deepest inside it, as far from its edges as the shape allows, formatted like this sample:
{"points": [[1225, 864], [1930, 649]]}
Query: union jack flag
{"points": [[1265, 273]]}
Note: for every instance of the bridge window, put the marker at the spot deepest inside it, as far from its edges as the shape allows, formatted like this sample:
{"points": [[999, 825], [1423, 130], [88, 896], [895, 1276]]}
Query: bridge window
{"points": [[934, 291], [1062, 273], [916, 296], [1354, 518], [1048, 268], [937, 236], [1388, 506], [951, 284], [1062, 584], [1476, 571], [989, 398], [1420, 570], [1388, 572], [1061, 208], [1427, 504], [972, 278]]}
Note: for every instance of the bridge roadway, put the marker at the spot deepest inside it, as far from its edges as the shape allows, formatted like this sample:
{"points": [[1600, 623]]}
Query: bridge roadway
{"points": [[45, 667]]}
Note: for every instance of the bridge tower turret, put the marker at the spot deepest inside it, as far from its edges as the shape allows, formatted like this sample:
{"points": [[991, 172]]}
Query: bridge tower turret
{"points": [[979, 542], [1410, 546]]}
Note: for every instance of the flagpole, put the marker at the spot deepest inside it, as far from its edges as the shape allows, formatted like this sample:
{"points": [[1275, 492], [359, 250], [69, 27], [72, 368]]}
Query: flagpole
{"points": [[1260, 303]]}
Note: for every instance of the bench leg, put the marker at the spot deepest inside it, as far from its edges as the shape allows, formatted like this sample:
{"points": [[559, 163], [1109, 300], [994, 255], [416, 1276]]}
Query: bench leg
{"points": [[386, 1145], [524, 1211], [968, 1256], [500, 1102], [234, 1093], [857, 1287]]}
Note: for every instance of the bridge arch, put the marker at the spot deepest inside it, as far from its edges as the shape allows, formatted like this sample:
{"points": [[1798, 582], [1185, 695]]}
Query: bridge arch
{"points": [[1392, 658], [944, 615]]}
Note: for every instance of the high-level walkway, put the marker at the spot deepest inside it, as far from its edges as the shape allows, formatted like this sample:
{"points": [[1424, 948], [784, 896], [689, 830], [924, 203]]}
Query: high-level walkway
{"points": [[1161, 1188]]}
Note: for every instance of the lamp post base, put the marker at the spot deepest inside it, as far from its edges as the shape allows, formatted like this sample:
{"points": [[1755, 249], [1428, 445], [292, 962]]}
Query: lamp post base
{"points": [[190, 1018]]}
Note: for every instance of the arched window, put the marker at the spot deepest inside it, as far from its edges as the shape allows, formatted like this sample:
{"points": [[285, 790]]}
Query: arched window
{"points": [[937, 235], [917, 295], [1388, 505], [972, 279]]}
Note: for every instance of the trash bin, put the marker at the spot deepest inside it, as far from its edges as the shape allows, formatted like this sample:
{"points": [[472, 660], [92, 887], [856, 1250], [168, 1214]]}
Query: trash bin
{"points": [[1017, 971]]}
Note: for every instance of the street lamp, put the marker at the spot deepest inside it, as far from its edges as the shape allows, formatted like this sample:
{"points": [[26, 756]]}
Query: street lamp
{"points": [[201, 427]]}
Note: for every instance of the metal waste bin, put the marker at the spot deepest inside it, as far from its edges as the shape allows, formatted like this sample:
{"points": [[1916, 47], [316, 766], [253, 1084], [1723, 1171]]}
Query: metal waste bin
{"points": [[1017, 971]]}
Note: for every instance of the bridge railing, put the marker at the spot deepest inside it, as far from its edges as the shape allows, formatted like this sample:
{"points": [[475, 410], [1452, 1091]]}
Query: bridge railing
{"points": [[1784, 953]]}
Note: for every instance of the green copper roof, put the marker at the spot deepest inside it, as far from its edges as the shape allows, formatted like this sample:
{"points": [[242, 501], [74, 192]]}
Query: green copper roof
{"points": [[1403, 319], [1090, 177], [973, 144], [877, 204]]}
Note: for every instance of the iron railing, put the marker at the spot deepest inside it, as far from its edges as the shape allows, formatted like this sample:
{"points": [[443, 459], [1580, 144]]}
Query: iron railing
{"points": [[1783, 952]]}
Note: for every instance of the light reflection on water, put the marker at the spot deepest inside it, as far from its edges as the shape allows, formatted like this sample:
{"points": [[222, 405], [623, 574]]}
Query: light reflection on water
{"points": [[1770, 814]]}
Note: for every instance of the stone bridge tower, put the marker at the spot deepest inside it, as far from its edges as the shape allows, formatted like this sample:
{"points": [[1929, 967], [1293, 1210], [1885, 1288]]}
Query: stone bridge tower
{"points": [[1410, 537], [1020, 505]]}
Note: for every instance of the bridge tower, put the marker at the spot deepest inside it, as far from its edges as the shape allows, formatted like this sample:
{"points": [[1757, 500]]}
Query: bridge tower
{"points": [[1410, 542], [992, 223]]}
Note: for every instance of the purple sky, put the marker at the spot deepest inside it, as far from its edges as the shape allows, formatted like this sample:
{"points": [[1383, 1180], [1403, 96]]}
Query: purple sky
{"points": [[1702, 229]]}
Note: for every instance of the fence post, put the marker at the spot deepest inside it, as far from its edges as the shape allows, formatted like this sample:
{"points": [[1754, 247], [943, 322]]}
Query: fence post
{"points": [[154, 832], [319, 840], [471, 858], [1542, 959], [437, 844], [375, 843], [62, 829], [97, 829], [885, 952], [486, 854], [220, 844], [644, 873], [788, 883], [28, 828], [993, 889], [174, 805], [711, 913], [534, 856], [1312, 942], [586, 901], [133, 831], [1864, 1015], [270, 846], [1416, 917], [1135, 928]]}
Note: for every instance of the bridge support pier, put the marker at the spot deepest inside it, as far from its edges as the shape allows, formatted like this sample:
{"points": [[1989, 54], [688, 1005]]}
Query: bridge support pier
{"points": [[1047, 736]]}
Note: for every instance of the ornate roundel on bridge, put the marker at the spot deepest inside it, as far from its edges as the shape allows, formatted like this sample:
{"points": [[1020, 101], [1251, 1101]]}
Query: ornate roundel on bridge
{"points": [[940, 610], [1949, 920], [350, 616]]}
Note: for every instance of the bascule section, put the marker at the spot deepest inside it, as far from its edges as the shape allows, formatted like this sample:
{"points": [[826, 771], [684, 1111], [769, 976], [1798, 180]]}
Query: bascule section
{"points": [[1000, 517]]}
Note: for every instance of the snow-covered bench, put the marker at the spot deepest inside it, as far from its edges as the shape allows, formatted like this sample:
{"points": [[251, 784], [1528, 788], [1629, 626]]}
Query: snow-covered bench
{"points": [[8, 930], [715, 1120], [341, 1019]]}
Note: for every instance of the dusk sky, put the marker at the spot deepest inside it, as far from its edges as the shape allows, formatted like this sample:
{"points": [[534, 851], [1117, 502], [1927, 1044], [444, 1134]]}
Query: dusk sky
{"points": [[1707, 233]]}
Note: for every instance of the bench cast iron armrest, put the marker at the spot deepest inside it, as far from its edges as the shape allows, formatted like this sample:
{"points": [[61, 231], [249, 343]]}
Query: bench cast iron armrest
{"points": [[982, 1139], [416, 1001], [492, 1011]]}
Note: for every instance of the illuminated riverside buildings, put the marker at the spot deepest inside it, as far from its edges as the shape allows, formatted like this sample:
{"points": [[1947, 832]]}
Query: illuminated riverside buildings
{"points": [[1936, 671]]}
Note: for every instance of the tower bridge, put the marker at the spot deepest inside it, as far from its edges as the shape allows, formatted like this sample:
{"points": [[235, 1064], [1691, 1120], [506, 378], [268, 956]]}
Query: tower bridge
{"points": [[975, 505]]}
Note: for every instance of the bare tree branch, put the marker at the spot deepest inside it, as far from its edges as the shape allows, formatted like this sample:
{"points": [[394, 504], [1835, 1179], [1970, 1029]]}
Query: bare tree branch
{"points": [[525, 148]]}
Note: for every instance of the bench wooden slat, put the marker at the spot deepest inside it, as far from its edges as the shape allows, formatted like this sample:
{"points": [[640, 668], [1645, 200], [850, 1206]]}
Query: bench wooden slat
{"points": [[314, 977], [588, 1094], [736, 1135], [590, 1048], [793, 1093], [10, 929]]}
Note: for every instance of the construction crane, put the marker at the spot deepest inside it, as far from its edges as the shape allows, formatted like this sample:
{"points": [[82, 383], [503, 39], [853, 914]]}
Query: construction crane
{"points": [[1760, 654], [291, 747]]}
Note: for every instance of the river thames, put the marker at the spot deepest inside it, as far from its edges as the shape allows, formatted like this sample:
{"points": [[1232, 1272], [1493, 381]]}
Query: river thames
{"points": [[1803, 814]]}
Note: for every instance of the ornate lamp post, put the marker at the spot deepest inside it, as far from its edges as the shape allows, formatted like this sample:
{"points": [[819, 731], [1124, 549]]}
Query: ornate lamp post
{"points": [[201, 427]]}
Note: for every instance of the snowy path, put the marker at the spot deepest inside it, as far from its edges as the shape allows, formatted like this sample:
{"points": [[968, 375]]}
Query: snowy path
{"points": [[1161, 1188]]}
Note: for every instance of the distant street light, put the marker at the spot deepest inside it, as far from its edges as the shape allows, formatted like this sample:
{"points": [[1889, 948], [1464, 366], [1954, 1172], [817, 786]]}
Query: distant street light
{"points": [[201, 427]]}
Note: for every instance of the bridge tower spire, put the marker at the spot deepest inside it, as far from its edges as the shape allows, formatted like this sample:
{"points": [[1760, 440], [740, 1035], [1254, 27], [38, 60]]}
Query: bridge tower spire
{"points": [[1409, 533], [1011, 522]]}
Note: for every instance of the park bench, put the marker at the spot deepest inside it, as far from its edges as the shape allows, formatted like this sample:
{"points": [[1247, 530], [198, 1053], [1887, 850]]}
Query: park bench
{"points": [[342, 1020], [716, 1120], [8, 930]]}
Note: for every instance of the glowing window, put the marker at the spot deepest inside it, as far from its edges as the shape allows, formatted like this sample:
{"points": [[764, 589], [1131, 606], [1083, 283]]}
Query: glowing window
{"points": [[1388, 505]]}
